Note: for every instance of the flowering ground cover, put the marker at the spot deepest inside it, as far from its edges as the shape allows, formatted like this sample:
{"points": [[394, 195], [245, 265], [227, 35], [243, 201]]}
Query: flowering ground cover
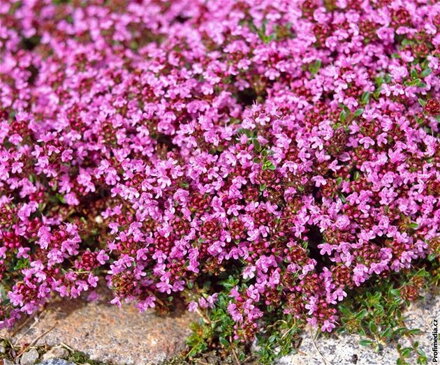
{"points": [[256, 159]]}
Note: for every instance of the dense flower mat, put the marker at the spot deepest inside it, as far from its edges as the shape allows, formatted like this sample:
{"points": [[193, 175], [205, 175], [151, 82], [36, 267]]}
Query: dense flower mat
{"points": [[159, 145]]}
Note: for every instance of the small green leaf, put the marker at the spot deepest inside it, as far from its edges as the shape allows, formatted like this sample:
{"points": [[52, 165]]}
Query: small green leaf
{"points": [[344, 310], [223, 341], [422, 102], [315, 67], [426, 72], [406, 42], [342, 197], [362, 314], [365, 98], [413, 225], [257, 145], [420, 352], [268, 165], [372, 327], [414, 73], [376, 93], [400, 331], [387, 333], [366, 342], [21, 264], [358, 112], [379, 81], [343, 116], [406, 351]]}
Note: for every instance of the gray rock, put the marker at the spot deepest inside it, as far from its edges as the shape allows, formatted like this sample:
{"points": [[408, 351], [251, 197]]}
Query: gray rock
{"points": [[29, 357], [107, 333], [56, 362], [55, 353], [8, 362]]}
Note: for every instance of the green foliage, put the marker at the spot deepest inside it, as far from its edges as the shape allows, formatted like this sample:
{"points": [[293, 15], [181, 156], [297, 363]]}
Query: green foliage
{"points": [[263, 151], [261, 32], [374, 311], [278, 339], [314, 67], [79, 357], [216, 329]]}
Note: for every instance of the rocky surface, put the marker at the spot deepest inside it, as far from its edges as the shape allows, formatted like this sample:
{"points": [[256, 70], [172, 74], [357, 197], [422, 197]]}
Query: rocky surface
{"points": [[107, 333], [56, 362], [29, 357], [125, 336], [56, 352], [346, 350]]}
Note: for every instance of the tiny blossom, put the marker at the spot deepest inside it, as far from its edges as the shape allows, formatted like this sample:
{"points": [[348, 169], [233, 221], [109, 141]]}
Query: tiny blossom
{"points": [[152, 156]]}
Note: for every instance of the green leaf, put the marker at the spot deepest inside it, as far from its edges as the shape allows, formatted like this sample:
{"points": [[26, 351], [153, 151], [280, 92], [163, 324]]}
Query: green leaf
{"points": [[343, 116], [414, 73], [400, 331], [413, 225], [61, 198], [366, 342], [376, 93], [426, 72], [315, 67], [342, 197], [406, 351], [420, 352], [257, 145], [21, 264], [379, 81], [358, 112], [362, 314], [372, 327], [406, 42], [344, 310], [223, 341], [263, 187], [387, 333], [268, 165], [365, 98]]}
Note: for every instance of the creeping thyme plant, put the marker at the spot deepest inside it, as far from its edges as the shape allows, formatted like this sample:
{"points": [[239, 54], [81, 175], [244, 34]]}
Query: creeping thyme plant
{"points": [[260, 160]]}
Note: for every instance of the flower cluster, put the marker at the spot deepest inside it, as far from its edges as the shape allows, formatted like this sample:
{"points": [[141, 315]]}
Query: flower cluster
{"points": [[154, 145]]}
